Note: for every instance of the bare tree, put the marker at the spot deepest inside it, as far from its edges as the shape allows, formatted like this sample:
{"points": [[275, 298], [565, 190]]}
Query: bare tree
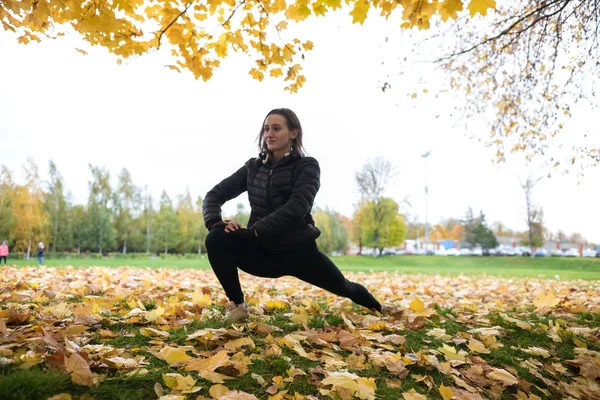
{"points": [[534, 215]]}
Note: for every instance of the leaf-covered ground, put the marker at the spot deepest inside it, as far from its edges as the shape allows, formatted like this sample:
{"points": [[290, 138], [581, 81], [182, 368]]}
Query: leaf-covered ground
{"points": [[134, 333]]}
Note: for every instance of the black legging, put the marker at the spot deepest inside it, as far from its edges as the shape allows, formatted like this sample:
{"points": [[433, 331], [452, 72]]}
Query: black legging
{"points": [[3, 257], [227, 252]]}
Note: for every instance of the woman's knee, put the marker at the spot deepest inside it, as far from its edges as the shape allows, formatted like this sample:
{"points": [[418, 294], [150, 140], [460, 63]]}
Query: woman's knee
{"points": [[215, 238]]}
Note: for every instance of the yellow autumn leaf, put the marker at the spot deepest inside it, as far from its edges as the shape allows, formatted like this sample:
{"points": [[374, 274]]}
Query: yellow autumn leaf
{"points": [[174, 67], [202, 300], [359, 12], [178, 381], [79, 370], [446, 392], [308, 45], [60, 310], [418, 307], [276, 305], [153, 315], [450, 353], [240, 342], [449, 9], [503, 376], [173, 355], [238, 395], [83, 52], [151, 332], [478, 347], [481, 6], [412, 394], [344, 380], [366, 388], [216, 391], [537, 351], [546, 300], [300, 316]]}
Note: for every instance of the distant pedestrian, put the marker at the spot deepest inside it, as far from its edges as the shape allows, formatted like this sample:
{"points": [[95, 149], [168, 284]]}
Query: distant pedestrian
{"points": [[3, 252], [40, 252]]}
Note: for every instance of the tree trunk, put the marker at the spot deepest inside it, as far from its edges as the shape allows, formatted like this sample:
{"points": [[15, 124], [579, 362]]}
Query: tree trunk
{"points": [[28, 248], [125, 246]]}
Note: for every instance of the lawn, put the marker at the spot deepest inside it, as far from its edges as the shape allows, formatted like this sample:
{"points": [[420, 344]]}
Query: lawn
{"points": [[149, 333], [565, 268]]}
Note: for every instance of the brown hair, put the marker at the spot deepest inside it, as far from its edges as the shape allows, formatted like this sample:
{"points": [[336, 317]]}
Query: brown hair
{"points": [[292, 122]]}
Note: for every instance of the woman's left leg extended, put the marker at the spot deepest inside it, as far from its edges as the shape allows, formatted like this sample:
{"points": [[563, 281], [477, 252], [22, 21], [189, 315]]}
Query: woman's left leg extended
{"points": [[314, 267]]}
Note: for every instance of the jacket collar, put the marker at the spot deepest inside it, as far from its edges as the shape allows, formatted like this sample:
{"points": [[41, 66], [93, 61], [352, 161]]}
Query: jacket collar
{"points": [[265, 157]]}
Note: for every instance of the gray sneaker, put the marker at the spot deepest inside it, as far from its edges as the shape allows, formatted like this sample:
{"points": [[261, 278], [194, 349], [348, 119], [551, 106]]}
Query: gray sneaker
{"points": [[236, 313]]}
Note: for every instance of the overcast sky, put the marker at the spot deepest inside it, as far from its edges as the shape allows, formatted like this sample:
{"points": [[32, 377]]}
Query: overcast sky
{"points": [[172, 132]]}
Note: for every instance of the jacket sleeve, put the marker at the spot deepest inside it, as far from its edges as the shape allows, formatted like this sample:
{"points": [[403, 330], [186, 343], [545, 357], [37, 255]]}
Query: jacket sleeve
{"points": [[229, 188], [300, 203]]}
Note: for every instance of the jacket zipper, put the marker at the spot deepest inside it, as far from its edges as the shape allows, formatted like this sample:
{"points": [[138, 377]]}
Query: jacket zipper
{"points": [[269, 200]]}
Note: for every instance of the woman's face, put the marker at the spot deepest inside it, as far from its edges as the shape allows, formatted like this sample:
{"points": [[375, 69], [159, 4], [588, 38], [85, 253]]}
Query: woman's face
{"points": [[277, 135]]}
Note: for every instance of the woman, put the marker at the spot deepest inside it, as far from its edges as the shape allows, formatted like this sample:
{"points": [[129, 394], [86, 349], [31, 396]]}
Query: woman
{"points": [[3, 252], [280, 238]]}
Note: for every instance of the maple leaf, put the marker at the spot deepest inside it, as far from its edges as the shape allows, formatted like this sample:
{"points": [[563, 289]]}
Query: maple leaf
{"points": [[481, 6], [419, 309], [478, 347], [503, 376], [79, 370], [359, 12], [546, 300], [412, 394], [449, 9], [238, 395], [153, 315], [217, 391], [179, 382], [446, 392], [173, 355]]}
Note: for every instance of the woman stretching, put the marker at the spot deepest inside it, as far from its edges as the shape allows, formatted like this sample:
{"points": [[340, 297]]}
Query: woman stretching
{"points": [[281, 237]]}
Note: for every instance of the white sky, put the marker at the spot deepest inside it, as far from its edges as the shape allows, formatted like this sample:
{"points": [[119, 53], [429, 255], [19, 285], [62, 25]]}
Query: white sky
{"points": [[172, 132]]}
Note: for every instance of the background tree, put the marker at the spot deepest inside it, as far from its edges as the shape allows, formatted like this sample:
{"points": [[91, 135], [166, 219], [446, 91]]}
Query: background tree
{"points": [[476, 231], [7, 198], [200, 230], [371, 181], [148, 217], [126, 207], [534, 215], [380, 224], [80, 227], [166, 225], [57, 207], [334, 236], [31, 218], [186, 224], [526, 66], [186, 29], [99, 210], [241, 215]]}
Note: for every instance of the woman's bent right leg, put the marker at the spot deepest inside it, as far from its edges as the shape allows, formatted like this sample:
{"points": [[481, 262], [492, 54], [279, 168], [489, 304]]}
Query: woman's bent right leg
{"points": [[227, 252]]}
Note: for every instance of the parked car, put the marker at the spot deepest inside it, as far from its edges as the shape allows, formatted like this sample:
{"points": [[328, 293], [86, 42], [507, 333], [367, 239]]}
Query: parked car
{"points": [[589, 253], [598, 254], [452, 252], [571, 253], [477, 251], [557, 253], [465, 252], [523, 251], [389, 252], [541, 253]]}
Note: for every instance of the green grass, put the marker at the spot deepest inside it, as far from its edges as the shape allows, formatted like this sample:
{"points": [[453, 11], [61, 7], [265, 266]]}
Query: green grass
{"points": [[565, 268]]}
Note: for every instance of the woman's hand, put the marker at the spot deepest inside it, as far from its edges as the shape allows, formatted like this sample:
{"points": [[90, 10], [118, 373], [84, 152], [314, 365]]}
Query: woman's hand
{"points": [[231, 226]]}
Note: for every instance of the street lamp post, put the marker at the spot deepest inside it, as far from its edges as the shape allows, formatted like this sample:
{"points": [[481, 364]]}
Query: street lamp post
{"points": [[425, 155]]}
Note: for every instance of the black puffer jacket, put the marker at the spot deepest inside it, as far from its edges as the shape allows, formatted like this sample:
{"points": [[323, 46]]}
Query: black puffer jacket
{"points": [[281, 197]]}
